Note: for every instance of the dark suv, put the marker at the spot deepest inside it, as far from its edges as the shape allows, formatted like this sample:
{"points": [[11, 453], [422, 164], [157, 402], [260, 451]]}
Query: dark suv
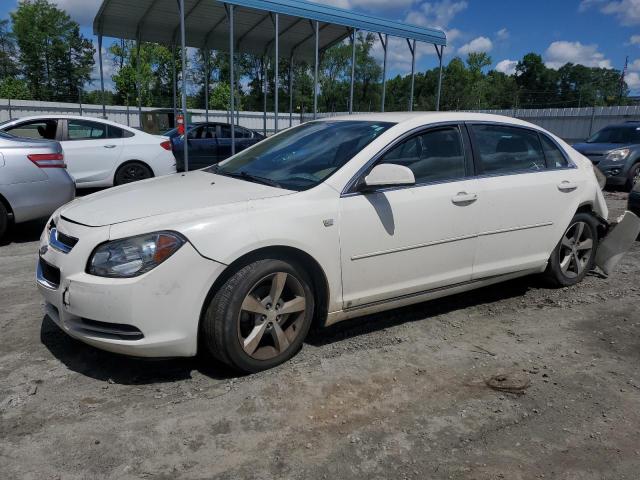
{"points": [[616, 151]]}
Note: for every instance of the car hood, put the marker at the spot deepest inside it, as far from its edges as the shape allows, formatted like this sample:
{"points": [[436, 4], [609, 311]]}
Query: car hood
{"points": [[164, 195], [598, 148]]}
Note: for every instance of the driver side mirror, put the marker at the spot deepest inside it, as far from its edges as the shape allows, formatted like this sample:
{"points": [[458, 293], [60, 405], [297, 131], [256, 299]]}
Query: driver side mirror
{"points": [[387, 175]]}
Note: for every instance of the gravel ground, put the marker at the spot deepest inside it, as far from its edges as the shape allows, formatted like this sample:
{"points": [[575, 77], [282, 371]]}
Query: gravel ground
{"points": [[395, 395]]}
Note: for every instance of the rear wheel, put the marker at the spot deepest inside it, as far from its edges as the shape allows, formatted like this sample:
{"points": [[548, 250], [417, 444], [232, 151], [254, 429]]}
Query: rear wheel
{"points": [[574, 255], [132, 172], [4, 220], [260, 316]]}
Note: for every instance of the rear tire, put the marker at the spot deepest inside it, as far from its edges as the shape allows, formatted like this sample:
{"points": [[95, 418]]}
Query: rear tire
{"points": [[132, 172], [4, 220], [575, 253], [260, 316]]}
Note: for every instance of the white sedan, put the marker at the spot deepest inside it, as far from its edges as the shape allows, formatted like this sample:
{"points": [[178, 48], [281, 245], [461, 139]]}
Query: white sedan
{"points": [[100, 153], [326, 221]]}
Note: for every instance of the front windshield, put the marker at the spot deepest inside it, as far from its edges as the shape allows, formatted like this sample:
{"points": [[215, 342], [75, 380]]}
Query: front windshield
{"points": [[303, 156], [625, 134]]}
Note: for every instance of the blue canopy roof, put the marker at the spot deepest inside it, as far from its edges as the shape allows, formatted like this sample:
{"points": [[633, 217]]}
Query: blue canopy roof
{"points": [[207, 25]]}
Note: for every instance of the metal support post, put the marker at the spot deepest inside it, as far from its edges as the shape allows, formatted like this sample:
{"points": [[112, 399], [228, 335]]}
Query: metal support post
{"points": [[183, 46], [104, 108], [315, 70], [276, 73], [384, 69], [412, 47], [353, 69]]}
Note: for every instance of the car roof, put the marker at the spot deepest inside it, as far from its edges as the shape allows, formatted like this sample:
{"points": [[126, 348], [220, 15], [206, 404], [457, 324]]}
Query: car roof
{"points": [[77, 117], [431, 117]]}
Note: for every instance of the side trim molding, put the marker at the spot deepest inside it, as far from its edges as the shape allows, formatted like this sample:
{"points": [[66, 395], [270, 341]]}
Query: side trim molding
{"points": [[448, 240]]}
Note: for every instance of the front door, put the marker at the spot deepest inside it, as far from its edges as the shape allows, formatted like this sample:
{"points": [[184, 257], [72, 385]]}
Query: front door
{"points": [[89, 151], [403, 241]]}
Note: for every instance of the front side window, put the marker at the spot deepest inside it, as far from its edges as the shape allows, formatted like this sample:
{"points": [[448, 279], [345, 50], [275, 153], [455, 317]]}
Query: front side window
{"points": [[304, 156], [86, 130], [433, 156], [555, 158], [39, 129], [503, 149]]}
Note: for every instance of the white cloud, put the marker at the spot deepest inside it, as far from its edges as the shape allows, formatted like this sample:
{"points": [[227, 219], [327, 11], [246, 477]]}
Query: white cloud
{"points": [[626, 11], [634, 40], [635, 65], [562, 52], [502, 34], [435, 14], [507, 66], [82, 11], [632, 79], [108, 68], [478, 44]]}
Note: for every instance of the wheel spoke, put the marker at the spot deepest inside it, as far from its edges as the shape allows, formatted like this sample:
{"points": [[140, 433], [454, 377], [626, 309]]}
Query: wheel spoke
{"points": [[585, 244], [277, 285], [251, 304], [281, 340], [579, 230], [298, 304], [567, 242], [253, 340], [578, 263], [565, 263]]}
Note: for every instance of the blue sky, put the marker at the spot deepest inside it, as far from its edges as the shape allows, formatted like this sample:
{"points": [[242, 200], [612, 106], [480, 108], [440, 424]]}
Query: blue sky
{"points": [[589, 32]]}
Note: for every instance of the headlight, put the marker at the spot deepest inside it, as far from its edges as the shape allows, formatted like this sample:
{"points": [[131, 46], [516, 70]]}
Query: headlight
{"points": [[618, 155], [133, 256]]}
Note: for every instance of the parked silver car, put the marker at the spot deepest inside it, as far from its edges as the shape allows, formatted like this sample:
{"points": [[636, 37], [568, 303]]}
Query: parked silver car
{"points": [[33, 179]]}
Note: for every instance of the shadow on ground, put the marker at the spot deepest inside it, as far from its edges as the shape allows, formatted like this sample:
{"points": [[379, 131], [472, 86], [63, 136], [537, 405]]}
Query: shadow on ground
{"points": [[24, 232], [121, 369]]}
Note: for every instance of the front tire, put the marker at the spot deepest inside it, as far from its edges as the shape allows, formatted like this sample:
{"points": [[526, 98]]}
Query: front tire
{"points": [[574, 255], [634, 176], [132, 172], [260, 316]]}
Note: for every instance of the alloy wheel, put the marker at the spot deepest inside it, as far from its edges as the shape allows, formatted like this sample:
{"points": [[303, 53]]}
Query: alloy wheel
{"points": [[576, 249], [271, 316], [133, 173], [635, 179]]}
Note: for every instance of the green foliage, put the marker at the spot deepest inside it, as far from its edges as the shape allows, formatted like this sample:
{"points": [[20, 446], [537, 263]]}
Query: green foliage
{"points": [[56, 59], [14, 88], [8, 52]]}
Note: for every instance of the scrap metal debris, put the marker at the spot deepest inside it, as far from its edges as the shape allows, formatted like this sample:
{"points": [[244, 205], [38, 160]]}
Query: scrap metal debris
{"points": [[505, 382]]}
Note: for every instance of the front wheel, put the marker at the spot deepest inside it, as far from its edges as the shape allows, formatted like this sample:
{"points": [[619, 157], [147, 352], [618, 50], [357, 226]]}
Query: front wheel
{"points": [[260, 316], [574, 255], [634, 176], [132, 172]]}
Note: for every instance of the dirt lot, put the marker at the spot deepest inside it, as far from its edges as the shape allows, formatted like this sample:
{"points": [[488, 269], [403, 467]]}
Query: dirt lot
{"points": [[396, 395]]}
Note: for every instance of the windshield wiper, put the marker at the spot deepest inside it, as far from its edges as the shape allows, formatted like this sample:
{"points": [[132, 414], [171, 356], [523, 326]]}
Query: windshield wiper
{"points": [[249, 177]]}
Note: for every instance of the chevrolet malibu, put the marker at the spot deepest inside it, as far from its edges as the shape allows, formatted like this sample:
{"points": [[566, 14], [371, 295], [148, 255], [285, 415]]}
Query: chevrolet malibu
{"points": [[323, 222]]}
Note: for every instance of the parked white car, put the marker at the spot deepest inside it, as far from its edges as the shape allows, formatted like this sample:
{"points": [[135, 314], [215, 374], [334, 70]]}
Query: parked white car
{"points": [[100, 153], [323, 222]]}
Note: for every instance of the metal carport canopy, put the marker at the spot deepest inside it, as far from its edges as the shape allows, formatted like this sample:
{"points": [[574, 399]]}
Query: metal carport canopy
{"points": [[207, 25]]}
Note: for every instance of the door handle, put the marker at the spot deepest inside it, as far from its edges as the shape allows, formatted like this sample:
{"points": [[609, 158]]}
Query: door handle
{"points": [[567, 186], [109, 146], [464, 198]]}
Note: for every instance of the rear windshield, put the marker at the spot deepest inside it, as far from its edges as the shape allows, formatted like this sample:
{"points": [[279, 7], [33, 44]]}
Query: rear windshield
{"points": [[621, 134], [303, 156]]}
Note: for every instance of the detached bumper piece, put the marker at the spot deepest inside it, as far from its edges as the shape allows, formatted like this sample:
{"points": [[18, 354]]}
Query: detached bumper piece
{"points": [[617, 242]]}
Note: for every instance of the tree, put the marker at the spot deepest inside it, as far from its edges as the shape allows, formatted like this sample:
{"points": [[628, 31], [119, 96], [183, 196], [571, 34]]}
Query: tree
{"points": [[15, 88], [56, 59], [8, 52]]}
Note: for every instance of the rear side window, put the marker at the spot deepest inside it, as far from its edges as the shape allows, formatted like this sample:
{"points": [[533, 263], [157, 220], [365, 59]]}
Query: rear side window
{"points": [[116, 132], [39, 129], [555, 158], [86, 130], [505, 149], [436, 155]]}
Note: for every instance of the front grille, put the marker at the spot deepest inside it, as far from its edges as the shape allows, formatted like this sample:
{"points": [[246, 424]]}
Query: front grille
{"points": [[48, 273], [60, 241], [120, 331]]}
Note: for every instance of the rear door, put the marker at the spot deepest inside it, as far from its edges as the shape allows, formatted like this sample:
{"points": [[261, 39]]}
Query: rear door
{"points": [[91, 151], [527, 195]]}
